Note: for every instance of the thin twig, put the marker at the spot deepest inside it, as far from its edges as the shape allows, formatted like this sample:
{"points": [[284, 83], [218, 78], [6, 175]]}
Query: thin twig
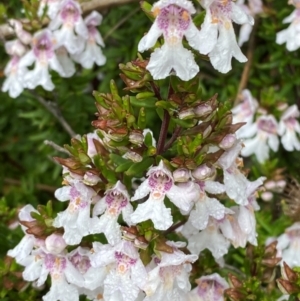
{"points": [[44, 187], [55, 111], [120, 23], [173, 138], [250, 54], [56, 147], [175, 227]]}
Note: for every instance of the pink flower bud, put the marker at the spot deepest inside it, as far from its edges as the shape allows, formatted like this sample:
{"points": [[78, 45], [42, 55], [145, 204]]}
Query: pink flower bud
{"points": [[181, 175], [203, 110], [90, 179], [203, 172], [228, 141], [55, 243]]}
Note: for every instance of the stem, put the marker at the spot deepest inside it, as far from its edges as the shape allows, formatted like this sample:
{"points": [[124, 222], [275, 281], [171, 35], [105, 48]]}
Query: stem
{"points": [[155, 90], [163, 132], [56, 147], [165, 125], [247, 67], [174, 227], [173, 138], [55, 111]]}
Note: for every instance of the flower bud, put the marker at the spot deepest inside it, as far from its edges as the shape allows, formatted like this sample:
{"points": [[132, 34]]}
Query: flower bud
{"points": [[181, 175], [267, 196], [90, 179], [202, 110], [136, 137], [203, 172], [186, 113], [133, 156], [228, 141], [270, 185], [55, 243]]}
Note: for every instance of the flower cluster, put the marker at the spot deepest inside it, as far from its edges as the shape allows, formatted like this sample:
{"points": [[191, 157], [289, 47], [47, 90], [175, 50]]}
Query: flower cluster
{"points": [[114, 269], [216, 38], [262, 130], [67, 38]]}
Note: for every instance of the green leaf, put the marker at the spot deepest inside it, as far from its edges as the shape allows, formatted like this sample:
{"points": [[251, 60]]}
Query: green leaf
{"points": [[140, 167]]}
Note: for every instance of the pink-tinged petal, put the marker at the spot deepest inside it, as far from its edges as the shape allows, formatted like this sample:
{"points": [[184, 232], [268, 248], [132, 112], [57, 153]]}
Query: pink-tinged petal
{"points": [[73, 275], [150, 38], [81, 28]]}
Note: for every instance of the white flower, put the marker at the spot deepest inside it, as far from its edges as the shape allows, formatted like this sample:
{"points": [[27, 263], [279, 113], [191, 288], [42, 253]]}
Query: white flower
{"points": [[93, 276], [76, 218], [173, 21], [206, 206], [15, 73], [68, 22], [160, 183], [288, 127], [266, 129], [169, 279], [127, 275], [43, 56], [289, 245], [244, 112], [115, 202], [210, 238], [240, 227], [92, 52], [209, 288], [217, 37], [291, 35]]}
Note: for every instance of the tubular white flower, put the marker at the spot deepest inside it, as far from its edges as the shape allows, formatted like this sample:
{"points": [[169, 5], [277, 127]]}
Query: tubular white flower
{"points": [[43, 56], [92, 52], [291, 35], [217, 37], [160, 183], [68, 22], [115, 202], [169, 279], [289, 127], [76, 218], [173, 21], [209, 287], [266, 129]]}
